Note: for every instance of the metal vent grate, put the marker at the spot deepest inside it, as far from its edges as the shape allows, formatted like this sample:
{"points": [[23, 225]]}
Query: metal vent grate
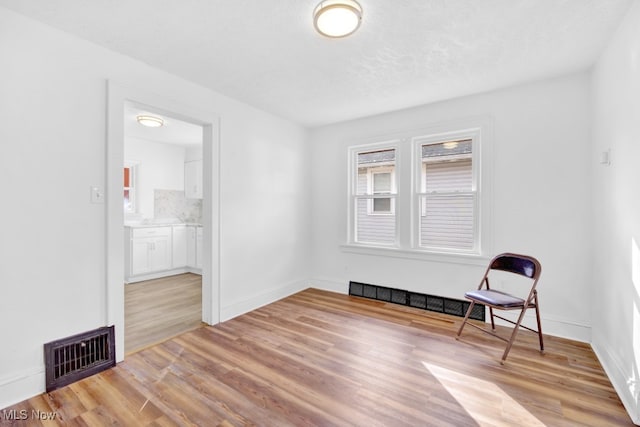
{"points": [[414, 299], [70, 359]]}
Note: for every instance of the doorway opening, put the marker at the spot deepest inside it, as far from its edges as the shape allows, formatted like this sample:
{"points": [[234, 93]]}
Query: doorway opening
{"points": [[162, 195], [177, 213]]}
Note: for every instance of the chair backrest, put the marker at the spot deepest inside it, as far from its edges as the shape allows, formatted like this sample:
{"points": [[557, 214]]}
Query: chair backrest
{"points": [[518, 264]]}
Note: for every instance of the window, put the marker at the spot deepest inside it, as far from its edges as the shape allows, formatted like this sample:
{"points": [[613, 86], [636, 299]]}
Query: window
{"points": [[129, 189], [447, 196], [374, 197], [380, 181], [421, 195]]}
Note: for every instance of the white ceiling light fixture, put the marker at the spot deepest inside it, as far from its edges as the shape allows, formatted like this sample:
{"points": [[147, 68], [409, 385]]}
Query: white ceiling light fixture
{"points": [[450, 145], [150, 121], [337, 18]]}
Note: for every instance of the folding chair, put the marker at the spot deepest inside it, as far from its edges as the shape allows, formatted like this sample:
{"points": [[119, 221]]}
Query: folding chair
{"points": [[522, 265]]}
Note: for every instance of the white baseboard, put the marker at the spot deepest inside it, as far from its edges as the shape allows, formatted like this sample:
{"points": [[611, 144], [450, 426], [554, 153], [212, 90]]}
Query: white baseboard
{"points": [[622, 382], [21, 386], [160, 274], [551, 325], [329, 284], [240, 307]]}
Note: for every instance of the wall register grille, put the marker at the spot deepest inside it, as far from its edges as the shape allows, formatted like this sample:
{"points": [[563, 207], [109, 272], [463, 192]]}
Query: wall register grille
{"points": [[71, 359], [438, 304]]}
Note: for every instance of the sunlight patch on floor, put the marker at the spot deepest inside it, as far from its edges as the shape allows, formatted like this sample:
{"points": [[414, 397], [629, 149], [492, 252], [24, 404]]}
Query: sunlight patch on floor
{"points": [[484, 401]]}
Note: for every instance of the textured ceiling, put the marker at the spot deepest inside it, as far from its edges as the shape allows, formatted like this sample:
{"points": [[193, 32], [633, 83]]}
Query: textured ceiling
{"points": [[406, 53]]}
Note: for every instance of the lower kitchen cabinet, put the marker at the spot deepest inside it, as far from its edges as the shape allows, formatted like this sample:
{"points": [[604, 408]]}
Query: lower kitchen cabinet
{"points": [[194, 247], [198, 247], [150, 249], [152, 252], [180, 242]]}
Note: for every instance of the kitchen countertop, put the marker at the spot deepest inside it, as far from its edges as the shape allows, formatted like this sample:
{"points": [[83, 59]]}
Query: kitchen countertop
{"points": [[160, 224]]}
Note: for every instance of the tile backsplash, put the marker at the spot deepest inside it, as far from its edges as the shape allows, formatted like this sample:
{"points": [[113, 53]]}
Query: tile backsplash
{"points": [[172, 204]]}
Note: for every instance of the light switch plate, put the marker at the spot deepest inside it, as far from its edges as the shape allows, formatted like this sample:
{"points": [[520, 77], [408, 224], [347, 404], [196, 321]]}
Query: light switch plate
{"points": [[97, 195]]}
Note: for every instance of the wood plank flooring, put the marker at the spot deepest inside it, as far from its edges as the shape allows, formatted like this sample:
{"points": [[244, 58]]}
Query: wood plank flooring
{"points": [[323, 359], [161, 308]]}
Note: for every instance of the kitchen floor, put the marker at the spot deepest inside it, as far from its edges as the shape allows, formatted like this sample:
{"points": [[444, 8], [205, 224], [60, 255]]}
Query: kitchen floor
{"points": [[159, 309]]}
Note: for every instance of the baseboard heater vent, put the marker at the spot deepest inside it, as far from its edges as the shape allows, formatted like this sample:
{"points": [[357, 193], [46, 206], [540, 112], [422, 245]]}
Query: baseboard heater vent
{"points": [[451, 306], [71, 359]]}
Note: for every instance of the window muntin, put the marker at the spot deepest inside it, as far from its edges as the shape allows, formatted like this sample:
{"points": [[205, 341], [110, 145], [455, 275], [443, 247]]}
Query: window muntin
{"points": [[375, 197]]}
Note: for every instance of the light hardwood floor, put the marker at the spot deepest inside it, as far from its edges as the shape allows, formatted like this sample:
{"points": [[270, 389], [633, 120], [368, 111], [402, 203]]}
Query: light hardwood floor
{"points": [[161, 308], [324, 359]]}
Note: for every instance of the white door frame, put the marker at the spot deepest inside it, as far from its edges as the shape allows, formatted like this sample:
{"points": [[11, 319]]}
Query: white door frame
{"points": [[117, 95]]}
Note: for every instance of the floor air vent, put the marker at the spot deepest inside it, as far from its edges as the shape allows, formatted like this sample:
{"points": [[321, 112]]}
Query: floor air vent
{"points": [[71, 359], [451, 306]]}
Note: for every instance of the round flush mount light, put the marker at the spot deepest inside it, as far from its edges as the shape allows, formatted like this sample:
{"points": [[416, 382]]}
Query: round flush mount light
{"points": [[337, 18], [150, 121], [450, 145]]}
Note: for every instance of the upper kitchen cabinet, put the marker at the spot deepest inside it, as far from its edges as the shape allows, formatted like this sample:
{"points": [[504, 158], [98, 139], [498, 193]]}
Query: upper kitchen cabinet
{"points": [[193, 179]]}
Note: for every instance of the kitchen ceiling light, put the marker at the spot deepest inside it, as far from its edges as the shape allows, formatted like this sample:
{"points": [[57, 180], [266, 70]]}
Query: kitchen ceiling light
{"points": [[450, 145], [150, 121], [337, 18]]}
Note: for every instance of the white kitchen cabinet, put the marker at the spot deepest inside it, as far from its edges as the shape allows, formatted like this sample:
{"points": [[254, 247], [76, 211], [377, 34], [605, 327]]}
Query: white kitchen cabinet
{"points": [[191, 246], [149, 250], [139, 259], [194, 247], [179, 246], [193, 179], [160, 253], [153, 252], [199, 247]]}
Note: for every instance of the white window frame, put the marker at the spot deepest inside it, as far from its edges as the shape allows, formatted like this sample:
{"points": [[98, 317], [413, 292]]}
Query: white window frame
{"points": [[371, 190], [353, 195], [408, 170], [419, 169]]}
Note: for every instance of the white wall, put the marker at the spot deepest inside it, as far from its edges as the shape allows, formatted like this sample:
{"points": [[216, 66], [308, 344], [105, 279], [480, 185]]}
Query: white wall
{"points": [[159, 167], [265, 216], [193, 153], [616, 243], [541, 205], [52, 249]]}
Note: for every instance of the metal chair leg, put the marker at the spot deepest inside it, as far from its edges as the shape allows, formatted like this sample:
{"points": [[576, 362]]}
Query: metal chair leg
{"points": [[466, 317], [513, 335], [493, 322], [538, 320]]}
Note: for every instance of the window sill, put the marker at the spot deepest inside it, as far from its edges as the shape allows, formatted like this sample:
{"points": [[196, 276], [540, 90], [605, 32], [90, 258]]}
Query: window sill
{"points": [[416, 254]]}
